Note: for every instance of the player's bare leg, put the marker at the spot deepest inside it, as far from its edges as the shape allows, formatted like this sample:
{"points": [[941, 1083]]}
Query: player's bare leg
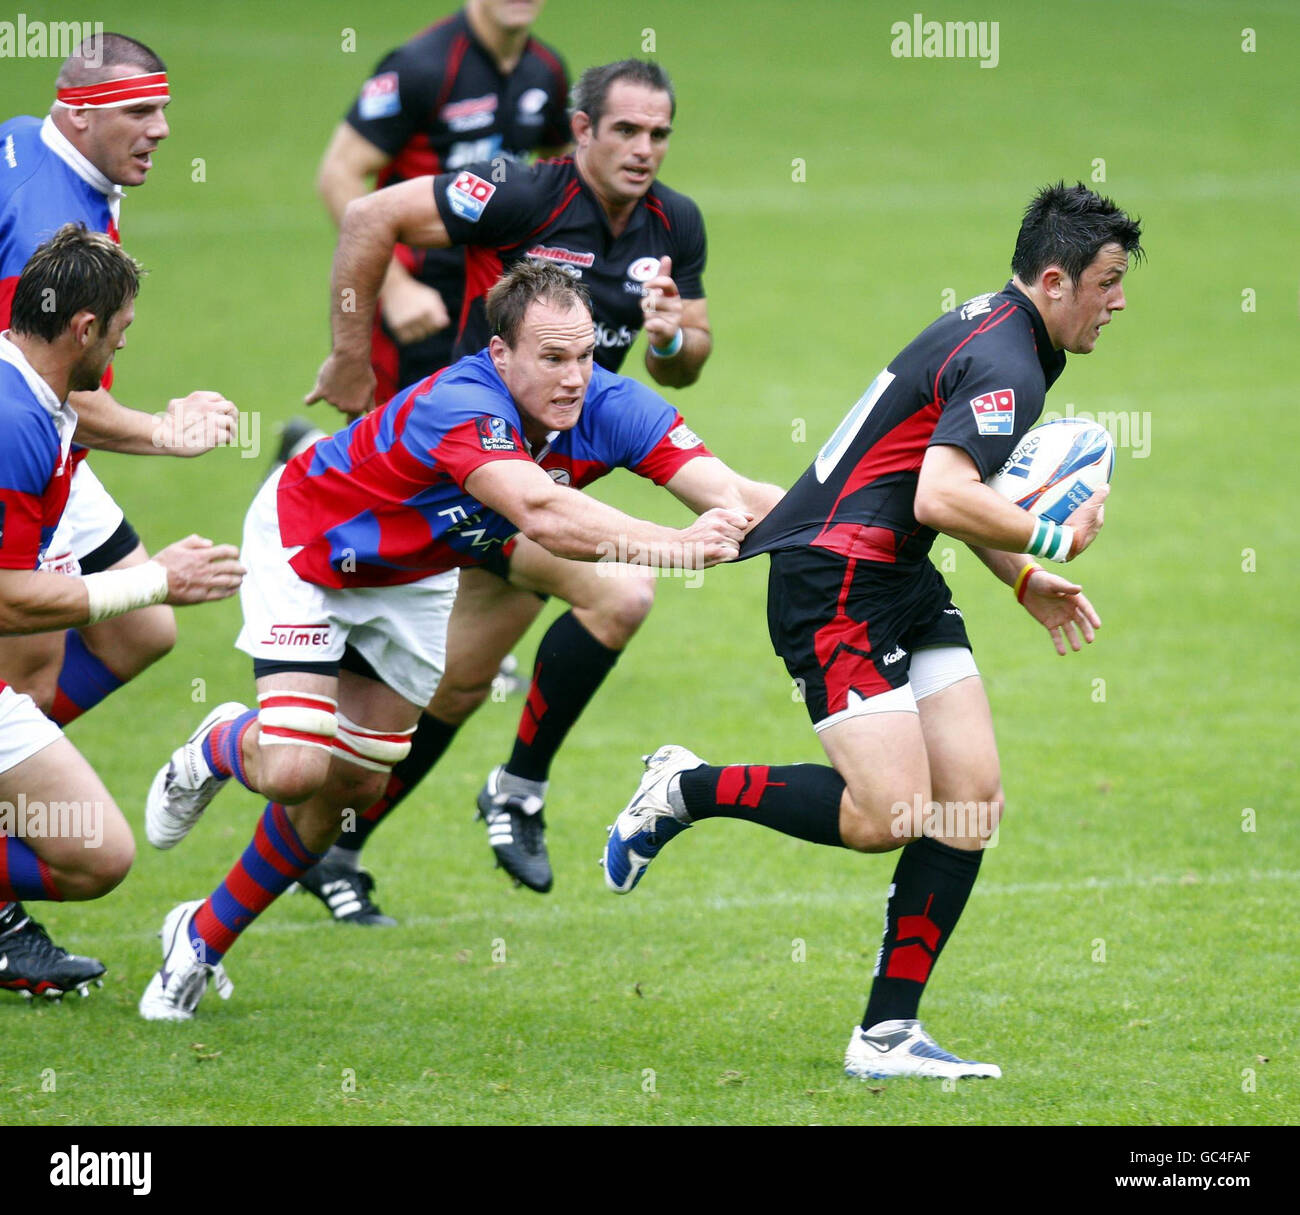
{"points": [[69, 843], [67, 678], [316, 767], [490, 616]]}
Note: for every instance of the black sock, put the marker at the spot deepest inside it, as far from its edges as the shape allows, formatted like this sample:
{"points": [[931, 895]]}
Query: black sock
{"points": [[431, 738], [571, 665], [802, 800], [932, 882]]}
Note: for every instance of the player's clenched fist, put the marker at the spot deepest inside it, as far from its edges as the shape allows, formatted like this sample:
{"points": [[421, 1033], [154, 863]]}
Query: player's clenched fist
{"points": [[716, 535], [197, 423], [346, 383], [662, 306], [413, 311], [198, 570], [1087, 520]]}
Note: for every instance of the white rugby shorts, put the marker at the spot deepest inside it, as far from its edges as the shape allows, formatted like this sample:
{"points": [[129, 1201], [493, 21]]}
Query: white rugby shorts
{"points": [[89, 519], [24, 729], [401, 631]]}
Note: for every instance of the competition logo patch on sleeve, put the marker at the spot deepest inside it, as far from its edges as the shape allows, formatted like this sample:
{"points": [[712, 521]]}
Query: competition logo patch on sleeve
{"points": [[379, 97], [995, 412], [684, 437], [494, 435], [468, 195]]}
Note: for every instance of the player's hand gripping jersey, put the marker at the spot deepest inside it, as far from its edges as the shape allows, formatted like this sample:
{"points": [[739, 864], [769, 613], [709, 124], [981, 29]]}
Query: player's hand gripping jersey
{"points": [[974, 379], [383, 502]]}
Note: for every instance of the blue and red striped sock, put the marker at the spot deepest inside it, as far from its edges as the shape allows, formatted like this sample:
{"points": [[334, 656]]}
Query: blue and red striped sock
{"points": [[224, 747], [83, 680], [273, 861], [23, 875]]}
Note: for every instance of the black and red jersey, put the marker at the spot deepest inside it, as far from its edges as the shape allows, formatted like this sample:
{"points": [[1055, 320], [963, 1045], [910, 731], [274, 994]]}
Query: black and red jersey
{"points": [[439, 102], [505, 212], [974, 379]]}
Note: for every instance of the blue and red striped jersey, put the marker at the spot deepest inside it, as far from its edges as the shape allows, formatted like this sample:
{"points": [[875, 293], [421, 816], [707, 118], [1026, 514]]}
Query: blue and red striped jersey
{"points": [[383, 502], [35, 466], [44, 183]]}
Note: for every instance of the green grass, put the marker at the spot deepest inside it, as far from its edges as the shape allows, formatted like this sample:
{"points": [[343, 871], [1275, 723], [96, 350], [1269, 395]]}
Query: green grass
{"points": [[685, 1003]]}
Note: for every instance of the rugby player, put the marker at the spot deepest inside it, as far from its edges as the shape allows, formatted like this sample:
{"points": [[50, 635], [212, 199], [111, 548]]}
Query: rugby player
{"points": [[474, 86], [354, 549], [867, 626], [639, 248], [106, 121], [70, 310]]}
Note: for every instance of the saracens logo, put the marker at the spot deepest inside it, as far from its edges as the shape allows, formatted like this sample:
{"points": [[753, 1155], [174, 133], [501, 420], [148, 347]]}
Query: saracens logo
{"points": [[643, 269], [294, 636]]}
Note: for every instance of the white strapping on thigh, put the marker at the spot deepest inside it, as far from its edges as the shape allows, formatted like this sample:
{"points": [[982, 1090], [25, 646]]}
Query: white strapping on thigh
{"points": [[896, 700], [934, 669]]}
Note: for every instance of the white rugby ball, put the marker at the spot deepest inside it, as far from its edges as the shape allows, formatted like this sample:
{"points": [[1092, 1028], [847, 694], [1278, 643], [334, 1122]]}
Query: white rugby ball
{"points": [[1057, 467]]}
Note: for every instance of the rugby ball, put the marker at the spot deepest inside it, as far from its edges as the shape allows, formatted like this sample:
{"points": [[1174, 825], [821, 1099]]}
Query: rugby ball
{"points": [[1057, 467]]}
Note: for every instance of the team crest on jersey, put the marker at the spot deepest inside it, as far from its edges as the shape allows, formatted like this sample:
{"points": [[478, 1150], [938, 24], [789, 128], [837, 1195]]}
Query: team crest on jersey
{"points": [[643, 269], [380, 97], [530, 106], [494, 435], [468, 195], [995, 412]]}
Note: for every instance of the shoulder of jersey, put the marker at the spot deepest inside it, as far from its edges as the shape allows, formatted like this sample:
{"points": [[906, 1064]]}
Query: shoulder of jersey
{"points": [[673, 202], [433, 39], [20, 149]]}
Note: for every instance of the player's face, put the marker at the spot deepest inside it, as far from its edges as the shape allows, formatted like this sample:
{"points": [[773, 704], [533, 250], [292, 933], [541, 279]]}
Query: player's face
{"points": [[621, 157], [548, 371], [120, 142], [509, 14], [1087, 305], [103, 343]]}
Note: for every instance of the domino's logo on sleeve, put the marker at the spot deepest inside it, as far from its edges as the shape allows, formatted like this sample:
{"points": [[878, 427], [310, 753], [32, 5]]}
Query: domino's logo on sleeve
{"points": [[380, 97], [468, 195], [995, 412]]}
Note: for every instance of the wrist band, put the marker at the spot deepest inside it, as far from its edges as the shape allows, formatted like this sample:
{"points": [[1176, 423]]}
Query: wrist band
{"points": [[1022, 579], [673, 347], [114, 592], [1050, 540]]}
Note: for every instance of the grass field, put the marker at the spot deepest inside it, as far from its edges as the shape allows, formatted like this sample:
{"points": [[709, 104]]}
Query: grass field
{"points": [[1129, 954]]}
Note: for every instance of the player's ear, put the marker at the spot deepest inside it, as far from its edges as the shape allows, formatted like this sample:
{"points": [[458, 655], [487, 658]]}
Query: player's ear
{"points": [[1053, 281], [500, 352], [580, 123], [82, 327]]}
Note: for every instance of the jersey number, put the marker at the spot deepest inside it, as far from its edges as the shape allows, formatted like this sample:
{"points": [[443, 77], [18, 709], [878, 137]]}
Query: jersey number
{"points": [[847, 430]]}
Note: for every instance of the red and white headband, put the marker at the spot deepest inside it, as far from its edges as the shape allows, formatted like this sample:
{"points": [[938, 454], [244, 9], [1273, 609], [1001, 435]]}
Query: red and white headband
{"points": [[125, 90]]}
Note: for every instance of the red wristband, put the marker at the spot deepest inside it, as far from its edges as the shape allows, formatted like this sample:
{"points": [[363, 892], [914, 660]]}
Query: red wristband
{"points": [[1022, 580]]}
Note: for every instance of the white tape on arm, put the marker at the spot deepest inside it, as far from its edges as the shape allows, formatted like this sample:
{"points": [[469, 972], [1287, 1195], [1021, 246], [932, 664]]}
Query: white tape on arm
{"points": [[114, 592]]}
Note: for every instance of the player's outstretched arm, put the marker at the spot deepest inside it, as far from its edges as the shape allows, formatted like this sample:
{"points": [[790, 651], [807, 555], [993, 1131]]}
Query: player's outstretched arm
{"points": [[190, 425], [193, 570], [371, 227], [1058, 604], [678, 337], [953, 499], [706, 482], [574, 525], [412, 309]]}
